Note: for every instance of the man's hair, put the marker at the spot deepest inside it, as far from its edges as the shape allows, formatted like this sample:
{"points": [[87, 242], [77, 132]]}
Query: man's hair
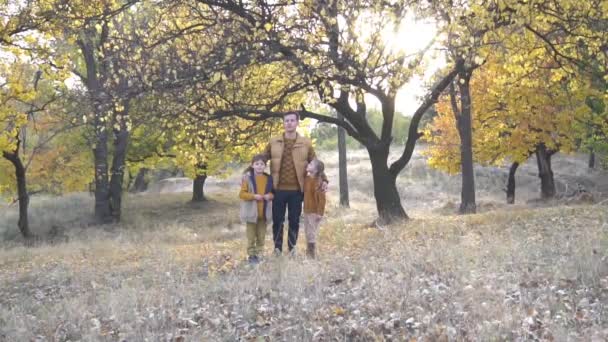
{"points": [[292, 113]]}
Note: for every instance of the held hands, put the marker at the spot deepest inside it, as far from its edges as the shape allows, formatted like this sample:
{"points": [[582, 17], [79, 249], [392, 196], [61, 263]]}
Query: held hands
{"points": [[267, 197], [258, 197]]}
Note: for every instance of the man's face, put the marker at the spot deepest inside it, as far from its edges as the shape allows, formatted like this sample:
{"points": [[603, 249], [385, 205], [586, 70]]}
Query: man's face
{"points": [[258, 166], [290, 123]]}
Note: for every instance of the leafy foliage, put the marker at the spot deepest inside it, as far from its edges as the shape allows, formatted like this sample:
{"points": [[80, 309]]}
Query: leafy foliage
{"points": [[326, 135]]}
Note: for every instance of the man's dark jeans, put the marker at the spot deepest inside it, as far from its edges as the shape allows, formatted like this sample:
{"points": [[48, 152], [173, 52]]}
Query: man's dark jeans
{"points": [[291, 201]]}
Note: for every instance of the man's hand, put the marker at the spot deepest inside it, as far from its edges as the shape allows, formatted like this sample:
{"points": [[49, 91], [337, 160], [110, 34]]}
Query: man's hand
{"points": [[268, 197], [258, 197]]}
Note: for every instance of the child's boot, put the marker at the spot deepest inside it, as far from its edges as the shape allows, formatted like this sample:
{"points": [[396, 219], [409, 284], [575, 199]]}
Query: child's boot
{"points": [[254, 260], [310, 250]]}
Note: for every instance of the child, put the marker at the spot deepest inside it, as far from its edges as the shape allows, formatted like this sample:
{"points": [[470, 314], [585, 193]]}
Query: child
{"points": [[256, 205], [314, 204]]}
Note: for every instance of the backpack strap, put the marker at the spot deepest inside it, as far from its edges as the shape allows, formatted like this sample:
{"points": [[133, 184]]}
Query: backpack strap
{"points": [[268, 183], [252, 179], [267, 190]]}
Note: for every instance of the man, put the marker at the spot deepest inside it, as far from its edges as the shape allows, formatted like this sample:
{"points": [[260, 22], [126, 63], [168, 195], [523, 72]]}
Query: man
{"points": [[289, 155]]}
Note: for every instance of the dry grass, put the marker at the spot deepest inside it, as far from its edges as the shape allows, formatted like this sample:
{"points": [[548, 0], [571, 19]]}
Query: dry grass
{"points": [[174, 271]]}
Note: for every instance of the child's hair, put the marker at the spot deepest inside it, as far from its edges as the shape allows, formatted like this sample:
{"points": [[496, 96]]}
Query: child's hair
{"points": [[257, 157], [320, 169]]}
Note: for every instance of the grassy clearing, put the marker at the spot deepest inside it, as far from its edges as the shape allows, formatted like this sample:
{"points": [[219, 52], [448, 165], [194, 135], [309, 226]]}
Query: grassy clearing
{"points": [[174, 271]]}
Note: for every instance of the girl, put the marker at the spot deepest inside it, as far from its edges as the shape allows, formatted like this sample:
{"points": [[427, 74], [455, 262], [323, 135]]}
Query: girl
{"points": [[256, 205], [314, 203]]}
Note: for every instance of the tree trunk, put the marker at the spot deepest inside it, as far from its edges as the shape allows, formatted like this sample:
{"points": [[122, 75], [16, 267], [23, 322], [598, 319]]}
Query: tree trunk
{"points": [[592, 159], [465, 130], [99, 100], [511, 183], [198, 194], [343, 174], [130, 180], [117, 178], [121, 142], [100, 156], [141, 183], [547, 183], [24, 198], [102, 191], [388, 201]]}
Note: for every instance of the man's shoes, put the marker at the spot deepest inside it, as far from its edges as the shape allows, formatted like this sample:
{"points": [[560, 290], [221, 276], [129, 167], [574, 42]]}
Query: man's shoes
{"points": [[277, 252], [292, 253]]}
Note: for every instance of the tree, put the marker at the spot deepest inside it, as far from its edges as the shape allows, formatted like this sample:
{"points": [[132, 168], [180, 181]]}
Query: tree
{"points": [[462, 114], [124, 51], [344, 202], [207, 147], [96, 44], [27, 90], [13, 120], [515, 116], [326, 135], [467, 24], [321, 40], [35, 150], [577, 45]]}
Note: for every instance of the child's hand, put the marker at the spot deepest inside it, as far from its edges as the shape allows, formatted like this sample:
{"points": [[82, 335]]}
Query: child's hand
{"points": [[324, 186], [258, 197], [268, 197]]}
